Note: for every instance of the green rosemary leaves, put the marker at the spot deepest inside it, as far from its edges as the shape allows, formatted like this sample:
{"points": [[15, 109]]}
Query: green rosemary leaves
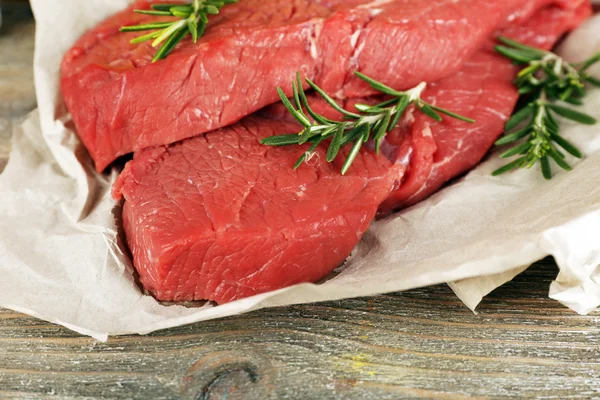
{"points": [[545, 81], [193, 18], [370, 122]]}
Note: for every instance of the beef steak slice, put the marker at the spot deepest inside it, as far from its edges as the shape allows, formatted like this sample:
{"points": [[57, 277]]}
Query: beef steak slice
{"points": [[121, 103], [221, 217], [483, 90]]}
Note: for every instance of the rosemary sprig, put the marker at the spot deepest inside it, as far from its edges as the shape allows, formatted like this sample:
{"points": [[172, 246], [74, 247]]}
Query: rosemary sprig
{"points": [[193, 18], [357, 128], [545, 81]]}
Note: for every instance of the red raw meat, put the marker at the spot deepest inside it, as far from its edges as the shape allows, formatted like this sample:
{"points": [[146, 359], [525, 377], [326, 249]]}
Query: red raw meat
{"points": [[121, 103], [482, 90], [221, 217]]}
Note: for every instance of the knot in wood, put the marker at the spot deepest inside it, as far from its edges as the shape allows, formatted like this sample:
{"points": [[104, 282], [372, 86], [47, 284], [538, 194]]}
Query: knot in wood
{"points": [[229, 375]]}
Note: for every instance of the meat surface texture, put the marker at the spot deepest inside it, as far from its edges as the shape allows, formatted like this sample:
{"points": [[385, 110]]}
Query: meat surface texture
{"points": [[120, 102], [221, 217], [482, 90]]}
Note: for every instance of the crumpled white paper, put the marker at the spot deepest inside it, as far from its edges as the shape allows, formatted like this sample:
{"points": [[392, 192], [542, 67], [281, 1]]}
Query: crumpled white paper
{"points": [[60, 259]]}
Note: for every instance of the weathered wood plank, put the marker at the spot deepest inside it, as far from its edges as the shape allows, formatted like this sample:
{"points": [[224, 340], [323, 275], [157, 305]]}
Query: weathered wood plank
{"points": [[17, 94], [5, 134], [16, 64], [421, 343]]}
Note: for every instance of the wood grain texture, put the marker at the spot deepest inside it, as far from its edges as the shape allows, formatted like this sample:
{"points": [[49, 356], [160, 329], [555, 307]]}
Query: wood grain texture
{"points": [[418, 344], [5, 133], [16, 66], [17, 96]]}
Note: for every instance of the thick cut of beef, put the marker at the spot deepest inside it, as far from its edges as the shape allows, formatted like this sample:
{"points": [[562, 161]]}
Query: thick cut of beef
{"points": [[120, 102], [482, 90], [432, 153], [221, 217]]}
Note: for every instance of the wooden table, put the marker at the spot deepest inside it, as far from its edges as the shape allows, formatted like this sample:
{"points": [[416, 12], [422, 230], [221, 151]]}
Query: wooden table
{"points": [[419, 344]]}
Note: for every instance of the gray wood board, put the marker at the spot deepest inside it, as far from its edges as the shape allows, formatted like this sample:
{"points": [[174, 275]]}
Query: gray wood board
{"points": [[418, 344]]}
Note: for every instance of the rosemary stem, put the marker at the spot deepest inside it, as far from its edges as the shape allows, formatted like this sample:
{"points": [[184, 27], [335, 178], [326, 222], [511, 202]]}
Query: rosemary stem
{"points": [[372, 122], [197, 4], [416, 92], [193, 18], [541, 111], [545, 80]]}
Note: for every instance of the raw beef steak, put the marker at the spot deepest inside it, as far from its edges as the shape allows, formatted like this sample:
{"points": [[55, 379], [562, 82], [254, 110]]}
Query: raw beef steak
{"points": [[121, 103], [221, 217], [482, 90]]}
